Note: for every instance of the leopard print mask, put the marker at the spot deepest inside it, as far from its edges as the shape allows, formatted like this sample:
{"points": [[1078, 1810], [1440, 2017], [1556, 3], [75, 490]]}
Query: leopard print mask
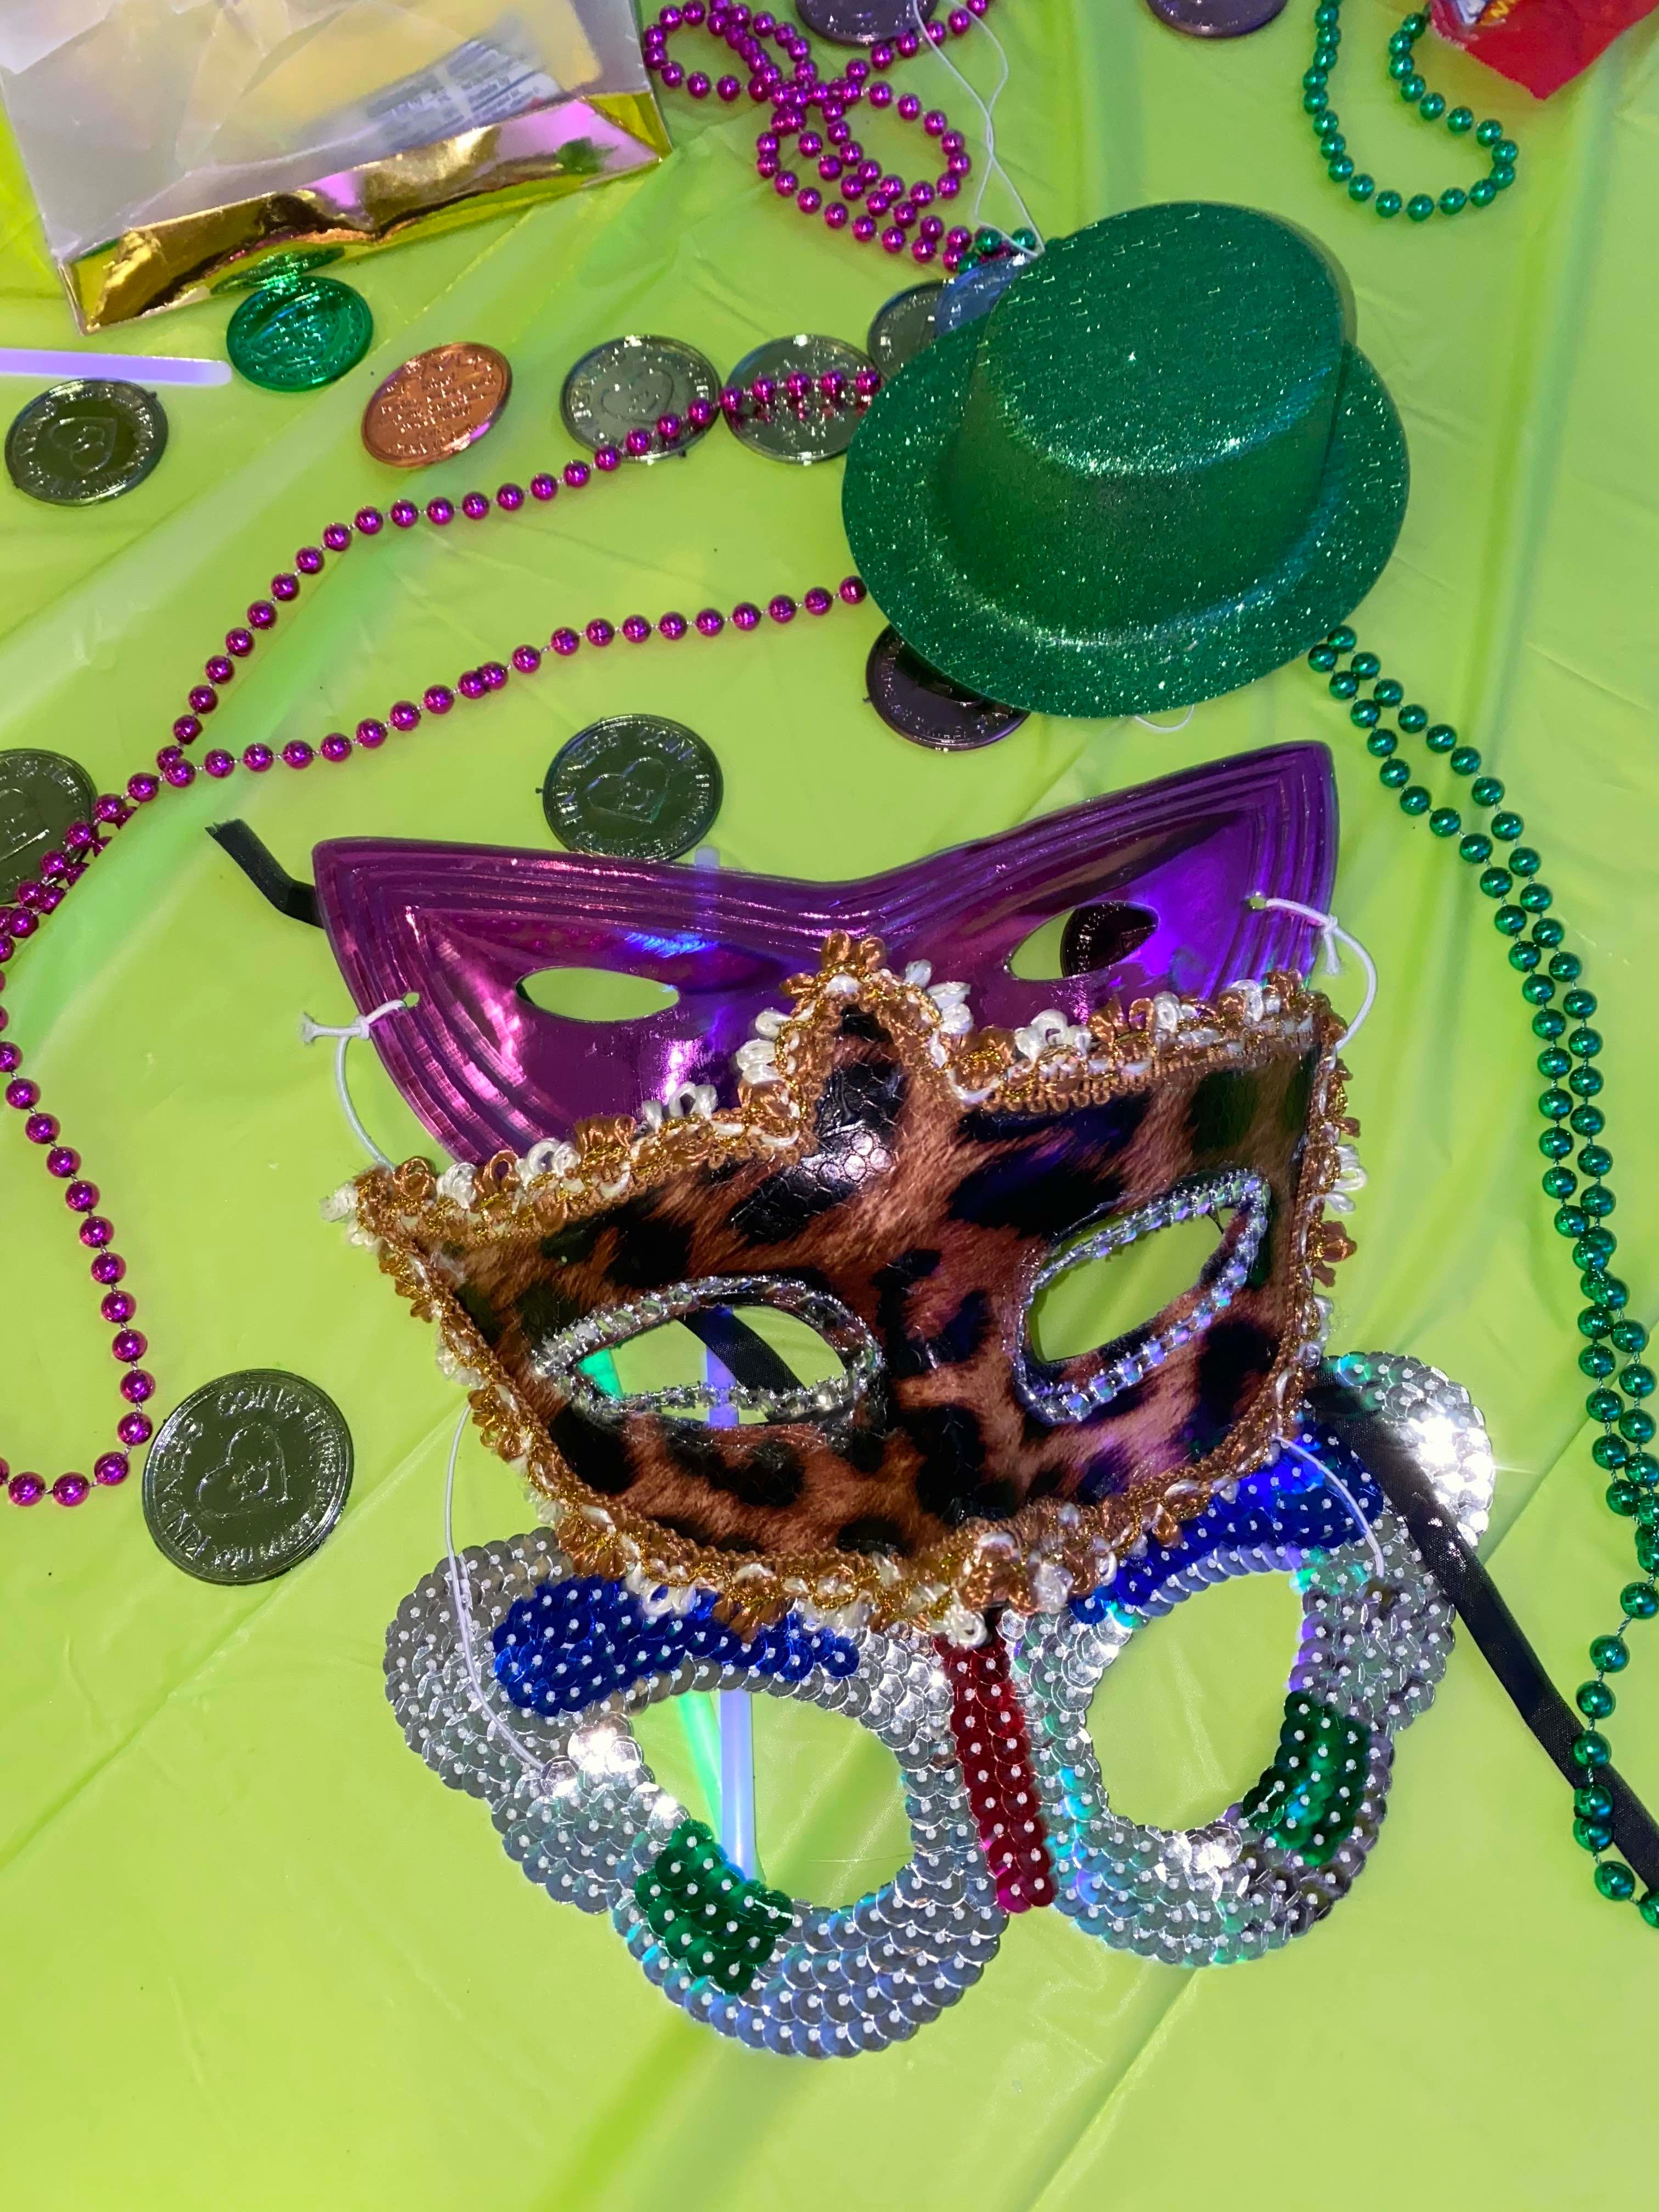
{"points": [[907, 1185]]}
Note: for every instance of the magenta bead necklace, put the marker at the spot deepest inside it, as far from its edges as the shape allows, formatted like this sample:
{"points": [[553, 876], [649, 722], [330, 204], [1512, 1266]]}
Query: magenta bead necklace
{"points": [[37, 901], [867, 204]]}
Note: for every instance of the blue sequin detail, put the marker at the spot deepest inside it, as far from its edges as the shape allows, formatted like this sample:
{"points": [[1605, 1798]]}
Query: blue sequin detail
{"points": [[1282, 1507], [574, 1642]]}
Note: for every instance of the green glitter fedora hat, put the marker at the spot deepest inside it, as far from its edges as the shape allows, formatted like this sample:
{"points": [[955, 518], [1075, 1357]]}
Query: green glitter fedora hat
{"points": [[1158, 469]]}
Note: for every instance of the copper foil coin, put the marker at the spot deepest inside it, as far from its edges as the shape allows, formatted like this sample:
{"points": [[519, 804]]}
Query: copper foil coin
{"points": [[928, 708], [88, 439], [904, 327], [860, 22], [635, 786], [248, 1476], [40, 794], [438, 403], [814, 430], [630, 384], [1216, 19]]}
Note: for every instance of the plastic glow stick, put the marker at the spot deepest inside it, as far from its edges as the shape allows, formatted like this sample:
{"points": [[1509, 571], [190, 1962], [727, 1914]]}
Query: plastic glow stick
{"points": [[122, 367]]}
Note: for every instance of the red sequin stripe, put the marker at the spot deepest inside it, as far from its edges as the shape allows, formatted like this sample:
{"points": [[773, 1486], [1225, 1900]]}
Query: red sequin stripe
{"points": [[996, 1760]]}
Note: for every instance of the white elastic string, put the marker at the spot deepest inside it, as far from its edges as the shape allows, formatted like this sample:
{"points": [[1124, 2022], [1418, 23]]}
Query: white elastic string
{"points": [[1340, 1489], [992, 164], [1168, 729], [309, 1033], [463, 1610], [1331, 935]]}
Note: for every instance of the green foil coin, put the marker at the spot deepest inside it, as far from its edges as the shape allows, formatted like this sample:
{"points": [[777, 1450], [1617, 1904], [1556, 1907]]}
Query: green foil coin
{"points": [[633, 785], [280, 269], [86, 440], [298, 337]]}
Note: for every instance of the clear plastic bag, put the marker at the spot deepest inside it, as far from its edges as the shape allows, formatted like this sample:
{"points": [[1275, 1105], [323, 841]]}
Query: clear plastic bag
{"points": [[135, 115]]}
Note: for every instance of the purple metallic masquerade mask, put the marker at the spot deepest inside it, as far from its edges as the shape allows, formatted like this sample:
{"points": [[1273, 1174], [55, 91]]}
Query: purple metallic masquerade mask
{"points": [[463, 926], [949, 1537]]}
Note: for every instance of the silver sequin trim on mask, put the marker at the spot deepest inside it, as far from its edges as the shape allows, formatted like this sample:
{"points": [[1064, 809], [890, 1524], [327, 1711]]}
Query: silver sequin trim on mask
{"points": [[1223, 1276], [559, 1358]]}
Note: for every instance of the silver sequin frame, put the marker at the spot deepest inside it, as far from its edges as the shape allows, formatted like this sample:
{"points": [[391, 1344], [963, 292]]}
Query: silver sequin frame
{"points": [[581, 1813], [1373, 1646]]}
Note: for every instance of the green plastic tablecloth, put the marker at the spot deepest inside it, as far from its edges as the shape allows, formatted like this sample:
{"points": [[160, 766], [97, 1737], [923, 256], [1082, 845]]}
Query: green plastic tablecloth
{"points": [[254, 1955]]}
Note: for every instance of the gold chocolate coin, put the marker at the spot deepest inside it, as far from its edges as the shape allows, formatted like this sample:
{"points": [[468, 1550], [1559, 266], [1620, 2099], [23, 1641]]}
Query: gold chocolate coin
{"points": [[437, 405]]}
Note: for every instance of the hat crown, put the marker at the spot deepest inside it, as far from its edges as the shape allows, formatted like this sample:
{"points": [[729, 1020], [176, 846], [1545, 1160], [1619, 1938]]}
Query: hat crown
{"points": [[1149, 415], [1164, 338]]}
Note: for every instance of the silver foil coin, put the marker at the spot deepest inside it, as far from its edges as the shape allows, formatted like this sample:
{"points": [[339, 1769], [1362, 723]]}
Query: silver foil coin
{"points": [[89, 440], [813, 430], [40, 794], [1216, 19], [904, 327], [634, 785], [928, 708], [630, 384], [248, 1476], [860, 22]]}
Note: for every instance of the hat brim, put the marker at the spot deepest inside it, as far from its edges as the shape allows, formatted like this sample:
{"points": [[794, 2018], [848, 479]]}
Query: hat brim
{"points": [[896, 526]]}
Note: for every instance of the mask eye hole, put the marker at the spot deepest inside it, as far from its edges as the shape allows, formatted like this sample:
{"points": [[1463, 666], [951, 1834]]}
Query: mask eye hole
{"points": [[1085, 941], [720, 1351], [597, 994], [756, 1348], [1183, 1776], [829, 1799], [1102, 1296], [1108, 1306]]}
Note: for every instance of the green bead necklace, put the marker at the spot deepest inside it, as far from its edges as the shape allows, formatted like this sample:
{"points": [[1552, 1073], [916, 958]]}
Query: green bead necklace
{"points": [[991, 244], [1570, 1047], [1431, 106]]}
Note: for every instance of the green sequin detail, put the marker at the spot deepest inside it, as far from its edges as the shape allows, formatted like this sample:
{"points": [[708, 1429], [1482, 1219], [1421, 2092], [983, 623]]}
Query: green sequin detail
{"points": [[1308, 1799], [707, 1915]]}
